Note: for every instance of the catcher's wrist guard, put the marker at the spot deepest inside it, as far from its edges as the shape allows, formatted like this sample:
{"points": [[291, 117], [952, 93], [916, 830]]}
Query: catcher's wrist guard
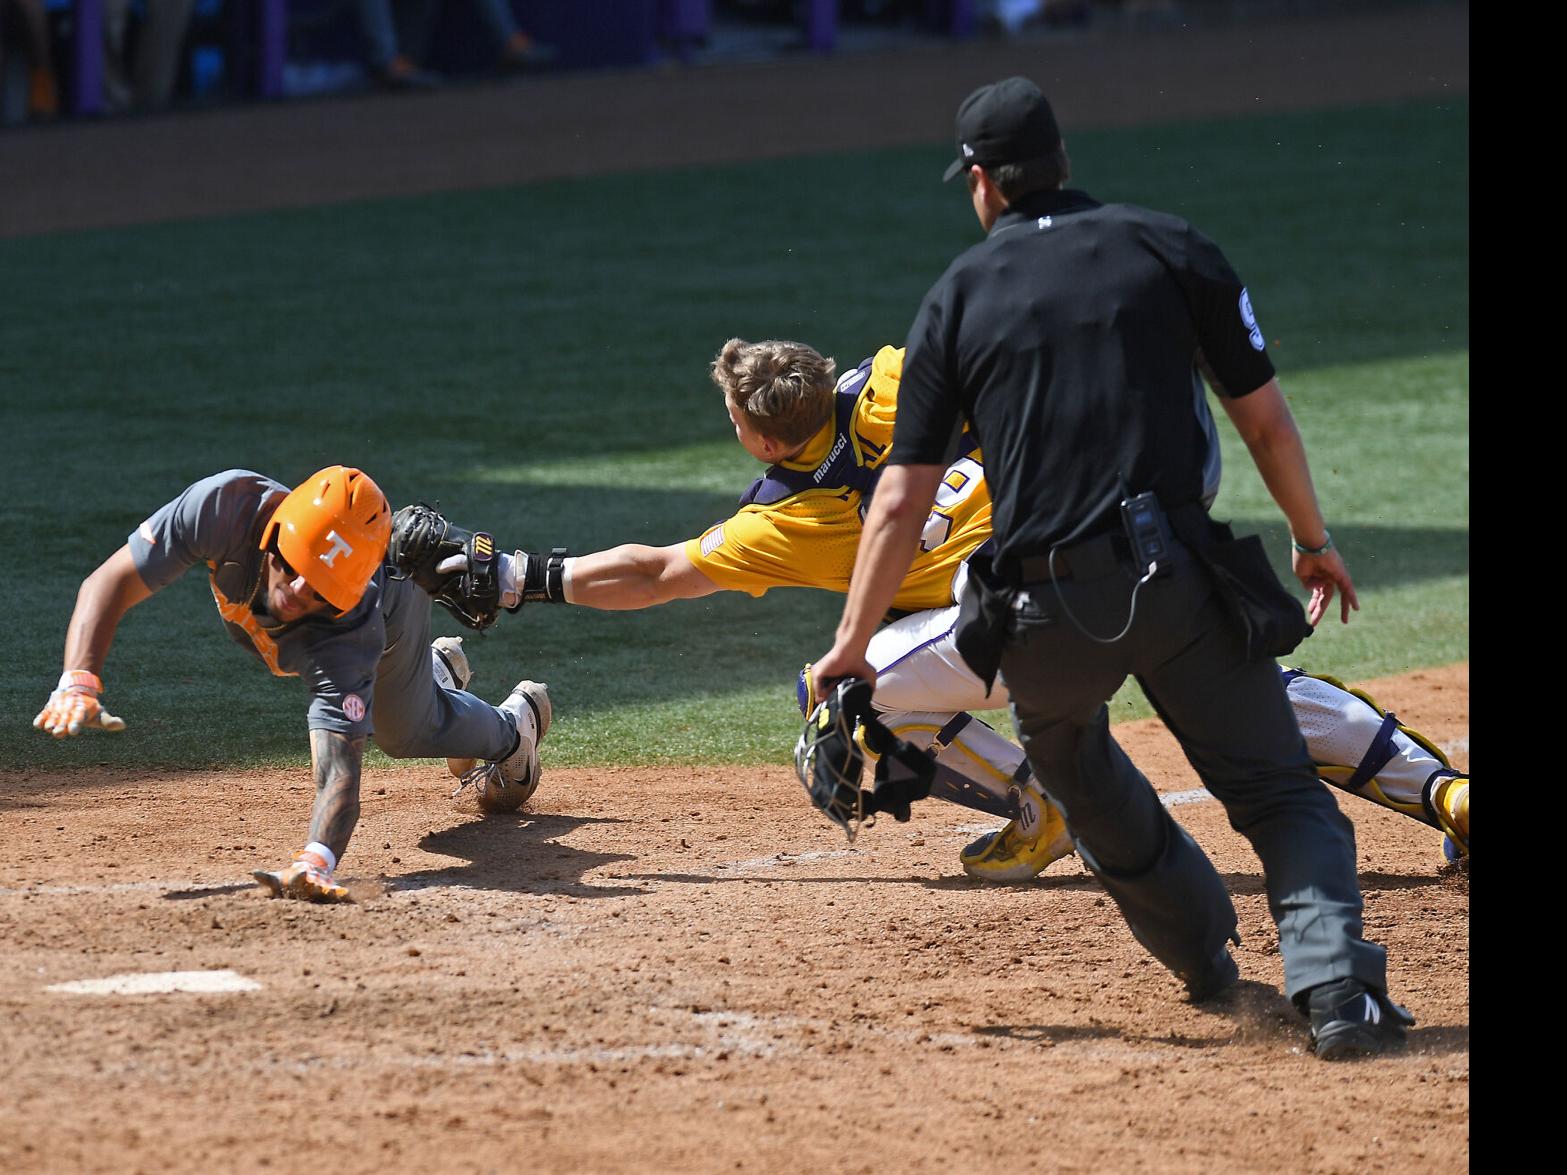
{"points": [[543, 577], [830, 757]]}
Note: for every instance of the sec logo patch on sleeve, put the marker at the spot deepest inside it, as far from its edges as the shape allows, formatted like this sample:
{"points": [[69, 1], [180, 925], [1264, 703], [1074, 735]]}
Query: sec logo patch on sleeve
{"points": [[354, 708]]}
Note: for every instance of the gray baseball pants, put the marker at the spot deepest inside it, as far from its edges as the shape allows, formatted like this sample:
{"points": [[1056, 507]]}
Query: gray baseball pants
{"points": [[414, 717], [1233, 720]]}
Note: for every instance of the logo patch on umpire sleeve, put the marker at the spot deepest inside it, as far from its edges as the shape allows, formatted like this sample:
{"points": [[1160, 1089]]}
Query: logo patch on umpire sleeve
{"points": [[146, 533], [712, 540], [1249, 320], [354, 708]]}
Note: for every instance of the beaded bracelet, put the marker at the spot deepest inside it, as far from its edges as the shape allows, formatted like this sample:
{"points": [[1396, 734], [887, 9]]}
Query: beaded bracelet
{"points": [[1327, 545]]}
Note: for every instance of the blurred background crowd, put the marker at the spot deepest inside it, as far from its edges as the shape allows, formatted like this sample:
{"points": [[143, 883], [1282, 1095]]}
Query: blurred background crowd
{"points": [[95, 58]]}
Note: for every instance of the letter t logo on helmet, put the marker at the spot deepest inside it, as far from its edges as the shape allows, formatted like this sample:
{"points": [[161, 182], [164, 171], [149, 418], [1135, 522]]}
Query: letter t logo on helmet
{"points": [[339, 547], [333, 528]]}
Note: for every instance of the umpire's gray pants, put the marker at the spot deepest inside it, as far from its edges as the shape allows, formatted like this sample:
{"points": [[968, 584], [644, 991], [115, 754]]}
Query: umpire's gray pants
{"points": [[1234, 722], [414, 717]]}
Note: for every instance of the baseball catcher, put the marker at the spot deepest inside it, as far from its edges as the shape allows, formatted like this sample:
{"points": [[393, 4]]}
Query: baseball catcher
{"points": [[299, 580], [824, 440]]}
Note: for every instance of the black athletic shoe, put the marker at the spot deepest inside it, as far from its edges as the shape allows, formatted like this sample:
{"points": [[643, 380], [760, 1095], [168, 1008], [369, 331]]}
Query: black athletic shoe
{"points": [[1220, 975], [1350, 1019]]}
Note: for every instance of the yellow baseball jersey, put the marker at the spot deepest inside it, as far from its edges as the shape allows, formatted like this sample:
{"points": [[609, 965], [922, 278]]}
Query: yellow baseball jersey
{"points": [[800, 524]]}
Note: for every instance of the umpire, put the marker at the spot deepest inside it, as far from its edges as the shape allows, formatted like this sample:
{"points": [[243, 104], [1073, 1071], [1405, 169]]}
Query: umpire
{"points": [[1068, 339]]}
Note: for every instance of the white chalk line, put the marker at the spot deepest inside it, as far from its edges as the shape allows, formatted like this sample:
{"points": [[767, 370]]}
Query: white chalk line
{"points": [[729, 1033], [712, 1035]]}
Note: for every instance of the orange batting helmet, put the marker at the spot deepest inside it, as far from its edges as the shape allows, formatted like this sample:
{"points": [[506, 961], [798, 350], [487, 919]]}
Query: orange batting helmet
{"points": [[333, 530]]}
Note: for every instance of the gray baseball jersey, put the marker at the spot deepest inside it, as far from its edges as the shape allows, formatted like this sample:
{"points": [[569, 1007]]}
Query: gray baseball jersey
{"points": [[218, 521]]}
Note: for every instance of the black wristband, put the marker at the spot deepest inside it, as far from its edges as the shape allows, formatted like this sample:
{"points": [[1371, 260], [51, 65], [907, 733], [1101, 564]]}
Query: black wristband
{"points": [[544, 579], [555, 576]]}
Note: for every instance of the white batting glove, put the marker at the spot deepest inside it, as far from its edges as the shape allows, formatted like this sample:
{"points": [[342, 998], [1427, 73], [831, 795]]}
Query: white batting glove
{"points": [[74, 707]]}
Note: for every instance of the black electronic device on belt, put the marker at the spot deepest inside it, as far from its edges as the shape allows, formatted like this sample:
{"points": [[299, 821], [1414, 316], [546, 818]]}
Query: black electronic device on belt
{"points": [[1148, 531]]}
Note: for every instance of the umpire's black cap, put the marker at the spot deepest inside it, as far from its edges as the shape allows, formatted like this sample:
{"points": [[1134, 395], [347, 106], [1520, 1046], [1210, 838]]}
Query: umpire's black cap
{"points": [[1005, 122]]}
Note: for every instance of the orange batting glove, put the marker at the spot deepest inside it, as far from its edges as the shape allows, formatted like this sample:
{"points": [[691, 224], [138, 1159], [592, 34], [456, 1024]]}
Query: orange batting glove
{"points": [[74, 706]]}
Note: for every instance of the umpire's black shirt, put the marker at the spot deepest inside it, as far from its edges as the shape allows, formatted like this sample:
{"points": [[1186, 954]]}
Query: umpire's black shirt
{"points": [[1067, 338]]}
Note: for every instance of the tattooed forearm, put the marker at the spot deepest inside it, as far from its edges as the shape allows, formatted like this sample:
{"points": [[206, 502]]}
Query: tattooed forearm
{"points": [[335, 758]]}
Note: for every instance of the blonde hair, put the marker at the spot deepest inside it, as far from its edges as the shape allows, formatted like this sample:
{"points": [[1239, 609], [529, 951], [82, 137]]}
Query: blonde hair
{"points": [[784, 390]]}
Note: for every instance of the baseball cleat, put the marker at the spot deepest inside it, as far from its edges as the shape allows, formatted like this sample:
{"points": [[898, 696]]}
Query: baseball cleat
{"points": [[1350, 1019], [1446, 801], [305, 880], [1009, 854], [504, 785], [450, 663], [1453, 803]]}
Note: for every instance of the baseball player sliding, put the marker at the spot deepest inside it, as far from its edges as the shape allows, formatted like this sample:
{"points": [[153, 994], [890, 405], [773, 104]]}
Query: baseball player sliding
{"points": [[824, 441], [299, 580]]}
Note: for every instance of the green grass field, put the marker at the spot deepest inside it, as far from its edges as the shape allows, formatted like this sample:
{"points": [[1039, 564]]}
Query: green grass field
{"points": [[534, 360]]}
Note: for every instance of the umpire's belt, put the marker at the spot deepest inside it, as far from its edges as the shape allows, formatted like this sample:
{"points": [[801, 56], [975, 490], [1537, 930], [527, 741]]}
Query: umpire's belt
{"points": [[1090, 559]]}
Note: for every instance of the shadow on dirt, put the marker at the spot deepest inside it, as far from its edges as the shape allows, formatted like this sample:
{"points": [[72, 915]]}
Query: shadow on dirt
{"points": [[779, 876], [1251, 1010], [1051, 1033], [515, 854], [207, 891], [1079, 882]]}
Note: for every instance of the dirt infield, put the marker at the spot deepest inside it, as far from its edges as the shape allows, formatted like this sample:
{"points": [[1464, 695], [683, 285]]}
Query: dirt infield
{"points": [[679, 970], [682, 969]]}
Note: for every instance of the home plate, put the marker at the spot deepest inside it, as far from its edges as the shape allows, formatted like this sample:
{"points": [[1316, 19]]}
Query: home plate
{"points": [[159, 983]]}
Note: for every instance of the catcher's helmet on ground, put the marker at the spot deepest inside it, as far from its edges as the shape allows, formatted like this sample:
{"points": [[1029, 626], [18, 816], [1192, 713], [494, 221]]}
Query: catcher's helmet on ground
{"points": [[332, 530], [829, 759]]}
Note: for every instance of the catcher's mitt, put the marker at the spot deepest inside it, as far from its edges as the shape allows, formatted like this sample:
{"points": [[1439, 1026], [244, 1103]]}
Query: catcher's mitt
{"points": [[830, 757], [457, 567]]}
